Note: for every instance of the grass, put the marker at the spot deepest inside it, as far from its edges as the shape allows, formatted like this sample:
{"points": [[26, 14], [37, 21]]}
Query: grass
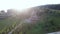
{"points": [[8, 24], [50, 24]]}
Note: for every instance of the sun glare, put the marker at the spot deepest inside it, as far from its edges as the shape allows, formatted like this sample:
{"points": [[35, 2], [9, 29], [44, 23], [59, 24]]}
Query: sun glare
{"points": [[23, 4]]}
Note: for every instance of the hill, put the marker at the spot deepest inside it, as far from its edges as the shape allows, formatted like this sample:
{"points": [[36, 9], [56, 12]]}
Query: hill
{"points": [[36, 20]]}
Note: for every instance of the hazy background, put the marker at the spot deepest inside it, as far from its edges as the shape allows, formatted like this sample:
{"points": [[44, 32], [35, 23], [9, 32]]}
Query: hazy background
{"points": [[22, 4]]}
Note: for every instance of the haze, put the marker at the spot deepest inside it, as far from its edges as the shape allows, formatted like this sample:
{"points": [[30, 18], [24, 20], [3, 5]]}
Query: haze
{"points": [[23, 4]]}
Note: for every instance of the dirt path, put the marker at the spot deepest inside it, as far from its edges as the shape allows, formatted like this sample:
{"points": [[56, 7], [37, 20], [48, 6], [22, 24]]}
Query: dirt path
{"points": [[15, 28], [22, 22], [29, 20]]}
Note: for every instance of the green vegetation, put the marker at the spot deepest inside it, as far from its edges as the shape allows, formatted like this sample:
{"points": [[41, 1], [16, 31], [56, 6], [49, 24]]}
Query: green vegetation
{"points": [[49, 21], [8, 24]]}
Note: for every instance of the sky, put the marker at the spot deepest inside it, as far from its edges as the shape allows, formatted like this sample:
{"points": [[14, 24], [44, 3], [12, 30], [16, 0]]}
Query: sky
{"points": [[23, 4]]}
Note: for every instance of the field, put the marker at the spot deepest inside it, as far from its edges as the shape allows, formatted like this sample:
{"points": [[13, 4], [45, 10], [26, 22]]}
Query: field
{"points": [[48, 22], [8, 23]]}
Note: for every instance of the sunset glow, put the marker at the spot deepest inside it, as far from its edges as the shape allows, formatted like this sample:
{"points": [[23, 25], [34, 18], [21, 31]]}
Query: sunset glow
{"points": [[23, 4]]}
